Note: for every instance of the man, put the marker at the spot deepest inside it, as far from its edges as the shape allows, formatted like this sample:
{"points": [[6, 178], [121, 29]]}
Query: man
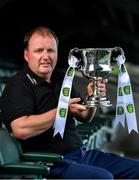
{"points": [[29, 105]]}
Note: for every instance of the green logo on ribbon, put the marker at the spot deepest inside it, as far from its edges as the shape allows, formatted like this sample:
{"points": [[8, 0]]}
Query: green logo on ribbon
{"points": [[127, 90], [120, 93], [123, 69], [120, 110], [130, 108], [63, 112], [66, 91], [70, 72]]}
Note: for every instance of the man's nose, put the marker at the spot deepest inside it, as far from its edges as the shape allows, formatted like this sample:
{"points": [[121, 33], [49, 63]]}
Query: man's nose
{"points": [[45, 54]]}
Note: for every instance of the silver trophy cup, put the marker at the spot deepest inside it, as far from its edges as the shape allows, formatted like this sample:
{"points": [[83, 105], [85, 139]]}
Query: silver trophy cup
{"points": [[94, 63]]}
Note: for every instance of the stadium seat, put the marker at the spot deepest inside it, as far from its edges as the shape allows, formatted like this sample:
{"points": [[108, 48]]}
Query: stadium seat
{"points": [[14, 163]]}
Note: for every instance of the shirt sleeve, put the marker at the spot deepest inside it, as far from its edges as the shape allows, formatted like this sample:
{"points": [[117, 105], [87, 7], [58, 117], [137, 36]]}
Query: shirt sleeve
{"points": [[17, 101]]}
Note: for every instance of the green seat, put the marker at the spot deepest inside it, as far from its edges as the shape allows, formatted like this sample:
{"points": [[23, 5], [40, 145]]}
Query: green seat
{"points": [[13, 162]]}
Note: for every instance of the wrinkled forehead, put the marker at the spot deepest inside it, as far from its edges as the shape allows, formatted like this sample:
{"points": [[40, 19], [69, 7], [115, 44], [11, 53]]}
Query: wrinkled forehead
{"points": [[42, 41]]}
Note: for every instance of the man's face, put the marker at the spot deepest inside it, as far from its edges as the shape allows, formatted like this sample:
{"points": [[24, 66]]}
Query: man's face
{"points": [[41, 55]]}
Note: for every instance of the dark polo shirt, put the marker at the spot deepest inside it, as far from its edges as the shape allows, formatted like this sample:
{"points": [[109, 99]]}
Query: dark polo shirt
{"points": [[28, 94]]}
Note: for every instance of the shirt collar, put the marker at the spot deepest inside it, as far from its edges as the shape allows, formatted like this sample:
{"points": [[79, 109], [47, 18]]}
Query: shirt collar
{"points": [[34, 79]]}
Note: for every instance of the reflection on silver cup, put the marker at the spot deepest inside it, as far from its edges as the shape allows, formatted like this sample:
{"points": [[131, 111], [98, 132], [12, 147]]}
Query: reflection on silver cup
{"points": [[94, 63]]}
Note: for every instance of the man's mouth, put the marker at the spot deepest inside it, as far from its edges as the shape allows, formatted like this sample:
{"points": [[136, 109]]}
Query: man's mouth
{"points": [[45, 64]]}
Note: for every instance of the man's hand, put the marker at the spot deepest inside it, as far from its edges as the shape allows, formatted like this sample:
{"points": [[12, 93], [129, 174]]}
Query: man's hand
{"points": [[101, 87], [75, 107], [80, 111]]}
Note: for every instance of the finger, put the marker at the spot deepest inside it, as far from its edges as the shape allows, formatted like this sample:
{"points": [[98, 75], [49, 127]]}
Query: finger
{"points": [[101, 85], [81, 107], [103, 94], [90, 85], [99, 78], [89, 89], [74, 100], [78, 107], [102, 90], [105, 81]]}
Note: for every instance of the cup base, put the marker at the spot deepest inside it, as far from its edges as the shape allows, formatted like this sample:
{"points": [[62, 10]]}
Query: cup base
{"points": [[96, 103]]}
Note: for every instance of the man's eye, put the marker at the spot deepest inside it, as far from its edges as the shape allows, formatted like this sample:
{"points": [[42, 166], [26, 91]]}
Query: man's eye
{"points": [[50, 50], [38, 50]]}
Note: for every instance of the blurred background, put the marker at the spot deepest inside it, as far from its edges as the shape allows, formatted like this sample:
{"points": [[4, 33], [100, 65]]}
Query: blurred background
{"points": [[82, 24]]}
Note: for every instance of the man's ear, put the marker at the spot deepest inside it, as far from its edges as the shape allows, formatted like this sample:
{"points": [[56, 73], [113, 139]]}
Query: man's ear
{"points": [[26, 55]]}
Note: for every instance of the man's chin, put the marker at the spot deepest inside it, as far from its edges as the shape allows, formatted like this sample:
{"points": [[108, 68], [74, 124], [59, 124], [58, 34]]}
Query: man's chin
{"points": [[45, 70]]}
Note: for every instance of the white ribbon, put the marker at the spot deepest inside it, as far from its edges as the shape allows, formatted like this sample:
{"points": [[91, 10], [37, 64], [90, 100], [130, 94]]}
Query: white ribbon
{"points": [[125, 104], [62, 109]]}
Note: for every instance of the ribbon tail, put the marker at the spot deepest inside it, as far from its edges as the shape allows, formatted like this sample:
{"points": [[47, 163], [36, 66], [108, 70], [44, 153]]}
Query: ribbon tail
{"points": [[56, 132], [120, 119], [131, 123], [59, 127], [132, 128]]}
